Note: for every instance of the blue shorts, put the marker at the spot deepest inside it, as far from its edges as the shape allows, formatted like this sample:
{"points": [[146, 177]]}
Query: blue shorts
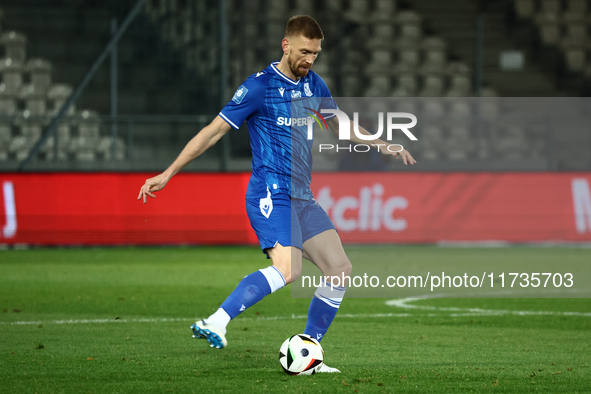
{"points": [[289, 222]]}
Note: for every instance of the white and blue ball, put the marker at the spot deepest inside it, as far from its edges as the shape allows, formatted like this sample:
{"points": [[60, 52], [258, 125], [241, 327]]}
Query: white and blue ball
{"points": [[301, 355]]}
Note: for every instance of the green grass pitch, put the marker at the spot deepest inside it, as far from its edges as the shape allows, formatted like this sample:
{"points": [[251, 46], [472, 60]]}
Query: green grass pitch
{"points": [[110, 320]]}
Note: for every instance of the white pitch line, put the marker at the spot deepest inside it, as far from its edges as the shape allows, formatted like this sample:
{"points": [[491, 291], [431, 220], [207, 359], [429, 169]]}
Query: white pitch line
{"points": [[180, 319], [404, 303]]}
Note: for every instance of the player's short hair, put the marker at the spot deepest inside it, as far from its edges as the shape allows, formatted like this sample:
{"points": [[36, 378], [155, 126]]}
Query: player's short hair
{"points": [[304, 25]]}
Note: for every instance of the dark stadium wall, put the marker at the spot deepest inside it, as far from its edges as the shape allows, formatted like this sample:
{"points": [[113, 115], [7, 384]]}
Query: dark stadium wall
{"points": [[200, 209]]}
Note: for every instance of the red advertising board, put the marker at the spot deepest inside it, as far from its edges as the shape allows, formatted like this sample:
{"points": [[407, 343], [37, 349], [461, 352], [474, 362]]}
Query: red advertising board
{"points": [[70, 209], [433, 207], [91, 209]]}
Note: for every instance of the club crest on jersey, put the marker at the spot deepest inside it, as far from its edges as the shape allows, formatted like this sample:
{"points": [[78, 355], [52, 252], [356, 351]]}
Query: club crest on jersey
{"points": [[307, 90], [266, 205], [296, 94], [239, 95]]}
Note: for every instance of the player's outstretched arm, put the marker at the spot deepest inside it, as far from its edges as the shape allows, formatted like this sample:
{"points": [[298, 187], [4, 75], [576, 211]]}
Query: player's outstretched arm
{"points": [[382, 146], [205, 139]]}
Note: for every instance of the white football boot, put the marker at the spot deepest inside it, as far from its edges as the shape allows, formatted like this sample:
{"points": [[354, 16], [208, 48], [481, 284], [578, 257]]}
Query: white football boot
{"points": [[326, 369], [215, 335]]}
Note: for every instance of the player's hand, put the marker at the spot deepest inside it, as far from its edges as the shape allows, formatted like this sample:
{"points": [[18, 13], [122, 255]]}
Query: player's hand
{"points": [[152, 185], [406, 157]]}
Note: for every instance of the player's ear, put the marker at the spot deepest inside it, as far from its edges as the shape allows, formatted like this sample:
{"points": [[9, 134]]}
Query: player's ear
{"points": [[285, 46]]}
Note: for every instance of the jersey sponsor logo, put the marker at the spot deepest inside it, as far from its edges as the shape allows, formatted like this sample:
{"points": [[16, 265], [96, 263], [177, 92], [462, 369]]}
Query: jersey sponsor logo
{"points": [[266, 204], [281, 90], [307, 90], [259, 74], [296, 94], [240, 94], [283, 121]]}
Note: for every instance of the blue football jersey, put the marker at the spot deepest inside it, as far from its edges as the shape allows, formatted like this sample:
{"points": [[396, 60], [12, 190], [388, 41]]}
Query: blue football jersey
{"points": [[276, 109]]}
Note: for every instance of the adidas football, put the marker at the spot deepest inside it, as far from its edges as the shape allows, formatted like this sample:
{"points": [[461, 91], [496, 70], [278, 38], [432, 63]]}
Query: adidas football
{"points": [[301, 355]]}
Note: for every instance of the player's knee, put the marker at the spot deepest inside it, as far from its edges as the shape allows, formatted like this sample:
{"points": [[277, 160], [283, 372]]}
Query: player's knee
{"points": [[340, 268], [347, 268], [344, 268], [290, 272]]}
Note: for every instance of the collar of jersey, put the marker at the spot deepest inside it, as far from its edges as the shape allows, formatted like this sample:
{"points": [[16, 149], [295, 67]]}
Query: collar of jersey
{"points": [[288, 79]]}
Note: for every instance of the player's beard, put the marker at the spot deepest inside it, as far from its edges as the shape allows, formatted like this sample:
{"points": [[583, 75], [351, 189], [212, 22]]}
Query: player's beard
{"points": [[295, 68]]}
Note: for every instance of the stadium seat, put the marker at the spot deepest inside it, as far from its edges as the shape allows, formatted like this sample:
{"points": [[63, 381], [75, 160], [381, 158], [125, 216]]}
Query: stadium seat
{"points": [[576, 11], [15, 46], [460, 75], [409, 105], [5, 136], [357, 11], [511, 143], [379, 86], [461, 109], [48, 150], [89, 125], [277, 10], [35, 100], [156, 9], [459, 145], [550, 7], [431, 141], [432, 108], [105, 148], [408, 59], [383, 36], [488, 92], [406, 85], [433, 85], [579, 6], [353, 61], [329, 81], [83, 147], [433, 43], [410, 26], [322, 67], [435, 62], [12, 75], [275, 32], [460, 86], [575, 57], [303, 7], [169, 30], [352, 86], [488, 107], [549, 28], [525, 8], [57, 96], [40, 73], [7, 101], [380, 62], [576, 34], [384, 11], [29, 133]]}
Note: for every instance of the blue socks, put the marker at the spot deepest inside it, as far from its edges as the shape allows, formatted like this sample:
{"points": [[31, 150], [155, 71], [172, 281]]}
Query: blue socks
{"points": [[323, 309], [252, 289], [259, 284]]}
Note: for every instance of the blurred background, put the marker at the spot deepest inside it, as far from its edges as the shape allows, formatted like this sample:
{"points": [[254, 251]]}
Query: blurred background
{"points": [[173, 64]]}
